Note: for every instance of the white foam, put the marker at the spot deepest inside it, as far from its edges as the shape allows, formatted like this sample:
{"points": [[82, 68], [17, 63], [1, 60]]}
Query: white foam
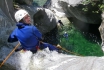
{"points": [[42, 60]]}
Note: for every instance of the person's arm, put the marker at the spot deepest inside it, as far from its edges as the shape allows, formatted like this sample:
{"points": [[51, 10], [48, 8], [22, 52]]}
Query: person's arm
{"points": [[12, 38], [37, 33], [60, 22]]}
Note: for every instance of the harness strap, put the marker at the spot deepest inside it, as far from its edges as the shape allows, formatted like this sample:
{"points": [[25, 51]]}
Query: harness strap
{"points": [[37, 47]]}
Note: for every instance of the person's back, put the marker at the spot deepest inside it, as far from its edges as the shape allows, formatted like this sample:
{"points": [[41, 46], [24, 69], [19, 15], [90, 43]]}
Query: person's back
{"points": [[27, 36]]}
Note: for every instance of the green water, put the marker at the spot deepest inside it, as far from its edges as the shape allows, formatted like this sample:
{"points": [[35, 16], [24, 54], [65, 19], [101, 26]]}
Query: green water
{"points": [[78, 44]]}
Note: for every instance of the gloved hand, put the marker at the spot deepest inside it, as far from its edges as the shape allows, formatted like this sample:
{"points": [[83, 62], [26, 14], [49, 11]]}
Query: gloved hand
{"points": [[59, 47], [41, 42]]}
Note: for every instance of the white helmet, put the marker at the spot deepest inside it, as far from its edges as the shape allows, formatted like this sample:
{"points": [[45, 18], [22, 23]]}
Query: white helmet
{"points": [[20, 14]]}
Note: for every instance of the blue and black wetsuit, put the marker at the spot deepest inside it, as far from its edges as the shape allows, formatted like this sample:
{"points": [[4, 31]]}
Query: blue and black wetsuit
{"points": [[29, 37]]}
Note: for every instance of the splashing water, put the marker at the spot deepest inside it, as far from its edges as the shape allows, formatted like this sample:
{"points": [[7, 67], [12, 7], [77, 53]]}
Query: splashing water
{"points": [[51, 60], [42, 60]]}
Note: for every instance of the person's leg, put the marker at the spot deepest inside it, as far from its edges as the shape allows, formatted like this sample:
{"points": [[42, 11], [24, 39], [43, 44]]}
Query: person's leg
{"points": [[51, 47], [45, 45], [33, 51]]}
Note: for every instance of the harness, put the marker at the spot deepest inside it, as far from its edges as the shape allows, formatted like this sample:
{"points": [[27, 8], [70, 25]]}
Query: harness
{"points": [[37, 47]]}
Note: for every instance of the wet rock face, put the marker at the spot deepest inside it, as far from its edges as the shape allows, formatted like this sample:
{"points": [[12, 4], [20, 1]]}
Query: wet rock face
{"points": [[7, 7], [44, 20], [6, 66], [101, 30], [84, 16], [86, 21], [24, 2], [86, 28]]}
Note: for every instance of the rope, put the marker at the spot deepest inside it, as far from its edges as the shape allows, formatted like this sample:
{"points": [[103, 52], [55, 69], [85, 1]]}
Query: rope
{"points": [[71, 52], [9, 54], [58, 46]]}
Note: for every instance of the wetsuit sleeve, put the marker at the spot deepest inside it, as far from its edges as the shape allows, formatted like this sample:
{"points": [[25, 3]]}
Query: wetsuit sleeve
{"points": [[12, 37], [37, 33]]}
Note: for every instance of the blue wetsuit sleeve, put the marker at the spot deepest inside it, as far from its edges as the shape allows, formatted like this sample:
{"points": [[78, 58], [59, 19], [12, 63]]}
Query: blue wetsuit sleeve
{"points": [[12, 37], [37, 33]]}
